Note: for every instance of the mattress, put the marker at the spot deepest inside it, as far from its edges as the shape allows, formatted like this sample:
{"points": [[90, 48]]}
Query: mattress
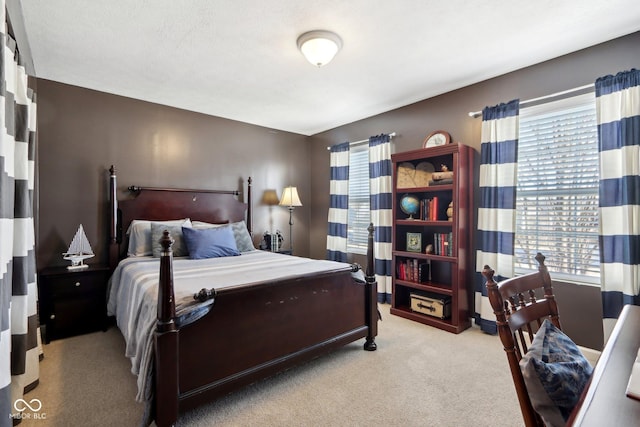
{"points": [[133, 293]]}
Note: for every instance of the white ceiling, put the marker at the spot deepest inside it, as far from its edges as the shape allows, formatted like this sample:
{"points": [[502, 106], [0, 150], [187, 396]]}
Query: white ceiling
{"points": [[238, 59]]}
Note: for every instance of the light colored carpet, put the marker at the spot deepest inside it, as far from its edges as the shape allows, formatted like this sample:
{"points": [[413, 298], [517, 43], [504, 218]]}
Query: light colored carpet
{"points": [[419, 376]]}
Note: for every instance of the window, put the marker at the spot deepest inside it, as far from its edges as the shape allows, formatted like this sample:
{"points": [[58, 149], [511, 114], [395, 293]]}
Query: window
{"points": [[359, 212], [557, 190]]}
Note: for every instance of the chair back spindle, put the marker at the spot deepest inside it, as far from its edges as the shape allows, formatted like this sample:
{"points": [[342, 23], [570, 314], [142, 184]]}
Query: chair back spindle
{"points": [[521, 304]]}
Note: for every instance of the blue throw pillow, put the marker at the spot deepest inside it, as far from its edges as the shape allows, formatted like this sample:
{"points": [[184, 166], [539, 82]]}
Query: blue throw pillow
{"points": [[555, 373], [210, 242]]}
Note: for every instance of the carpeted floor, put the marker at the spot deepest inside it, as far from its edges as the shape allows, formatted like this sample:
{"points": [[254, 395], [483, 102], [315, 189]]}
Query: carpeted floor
{"points": [[419, 376]]}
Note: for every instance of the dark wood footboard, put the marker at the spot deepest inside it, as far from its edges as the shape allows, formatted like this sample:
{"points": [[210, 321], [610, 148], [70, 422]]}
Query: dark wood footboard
{"points": [[253, 332]]}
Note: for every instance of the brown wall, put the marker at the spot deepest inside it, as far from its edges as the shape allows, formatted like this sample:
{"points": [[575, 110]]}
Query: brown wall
{"points": [[580, 305], [82, 132]]}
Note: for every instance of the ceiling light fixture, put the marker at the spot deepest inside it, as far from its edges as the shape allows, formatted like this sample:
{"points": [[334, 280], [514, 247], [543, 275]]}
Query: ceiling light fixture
{"points": [[319, 46]]}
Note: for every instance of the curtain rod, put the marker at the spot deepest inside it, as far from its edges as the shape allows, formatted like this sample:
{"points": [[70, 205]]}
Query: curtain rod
{"points": [[476, 114], [391, 135]]}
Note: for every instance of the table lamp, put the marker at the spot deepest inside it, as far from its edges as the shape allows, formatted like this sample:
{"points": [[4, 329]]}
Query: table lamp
{"points": [[290, 199]]}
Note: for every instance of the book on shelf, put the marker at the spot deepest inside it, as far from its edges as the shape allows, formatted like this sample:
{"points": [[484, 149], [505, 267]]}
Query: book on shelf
{"points": [[414, 270], [444, 181], [439, 176], [424, 271], [434, 209], [443, 244], [424, 209], [429, 209]]}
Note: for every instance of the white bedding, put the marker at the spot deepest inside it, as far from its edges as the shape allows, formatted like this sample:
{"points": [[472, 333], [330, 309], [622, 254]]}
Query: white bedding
{"points": [[133, 293]]}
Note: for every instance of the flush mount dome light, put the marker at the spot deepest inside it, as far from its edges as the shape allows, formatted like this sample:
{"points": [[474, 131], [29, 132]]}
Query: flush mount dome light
{"points": [[319, 46]]}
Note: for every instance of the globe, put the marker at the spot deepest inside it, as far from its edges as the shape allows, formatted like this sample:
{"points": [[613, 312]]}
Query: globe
{"points": [[410, 205]]}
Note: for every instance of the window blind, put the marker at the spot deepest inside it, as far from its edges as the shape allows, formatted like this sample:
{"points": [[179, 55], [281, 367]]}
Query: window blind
{"points": [[557, 190], [359, 212]]}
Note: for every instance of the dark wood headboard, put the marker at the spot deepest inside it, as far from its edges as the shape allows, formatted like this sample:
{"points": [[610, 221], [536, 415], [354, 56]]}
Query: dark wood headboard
{"points": [[158, 204]]}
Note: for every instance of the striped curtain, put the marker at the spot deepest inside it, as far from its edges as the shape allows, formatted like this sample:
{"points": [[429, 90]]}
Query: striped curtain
{"points": [[497, 210], [380, 189], [338, 203], [618, 115], [19, 346]]}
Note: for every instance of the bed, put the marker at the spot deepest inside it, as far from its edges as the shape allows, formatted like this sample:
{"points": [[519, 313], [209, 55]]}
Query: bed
{"points": [[235, 330]]}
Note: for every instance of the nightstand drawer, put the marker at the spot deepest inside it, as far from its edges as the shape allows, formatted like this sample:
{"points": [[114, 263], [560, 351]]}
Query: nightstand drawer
{"points": [[72, 302], [75, 286]]}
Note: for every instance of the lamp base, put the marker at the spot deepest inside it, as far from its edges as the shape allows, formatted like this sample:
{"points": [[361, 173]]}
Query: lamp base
{"points": [[291, 229]]}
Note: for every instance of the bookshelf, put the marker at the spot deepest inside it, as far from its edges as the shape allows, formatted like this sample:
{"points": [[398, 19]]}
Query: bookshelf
{"points": [[432, 235]]}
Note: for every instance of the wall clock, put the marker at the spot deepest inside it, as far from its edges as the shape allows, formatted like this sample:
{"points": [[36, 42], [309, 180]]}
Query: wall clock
{"points": [[436, 138]]}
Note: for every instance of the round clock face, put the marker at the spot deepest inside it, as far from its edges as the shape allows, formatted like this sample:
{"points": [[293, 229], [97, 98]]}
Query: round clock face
{"points": [[437, 138]]}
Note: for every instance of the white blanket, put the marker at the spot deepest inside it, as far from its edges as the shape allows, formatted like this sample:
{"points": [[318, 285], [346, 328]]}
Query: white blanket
{"points": [[133, 293]]}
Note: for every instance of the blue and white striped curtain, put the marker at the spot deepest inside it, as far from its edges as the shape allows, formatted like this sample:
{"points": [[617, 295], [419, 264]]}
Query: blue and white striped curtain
{"points": [[338, 203], [380, 189], [19, 344], [497, 210], [618, 110]]}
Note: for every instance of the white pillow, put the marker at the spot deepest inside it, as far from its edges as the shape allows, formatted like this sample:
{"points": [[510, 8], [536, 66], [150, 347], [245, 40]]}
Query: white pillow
{"points": [[140, 235]]}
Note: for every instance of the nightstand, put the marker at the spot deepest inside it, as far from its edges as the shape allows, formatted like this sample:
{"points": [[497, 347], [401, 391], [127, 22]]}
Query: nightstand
{"points": [[72, 302]]}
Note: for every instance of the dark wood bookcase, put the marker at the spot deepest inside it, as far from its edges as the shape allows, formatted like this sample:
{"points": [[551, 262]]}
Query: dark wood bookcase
{"points": [[442, 274]]}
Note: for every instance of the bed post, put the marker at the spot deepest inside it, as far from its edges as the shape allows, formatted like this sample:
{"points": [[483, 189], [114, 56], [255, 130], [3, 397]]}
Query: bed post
{"points": [[249, 214], [372, 295], [166, 342], [113, 223]]}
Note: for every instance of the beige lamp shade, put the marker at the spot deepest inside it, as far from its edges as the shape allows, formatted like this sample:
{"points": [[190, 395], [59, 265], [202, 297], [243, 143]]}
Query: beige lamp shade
{"points": [[290, 197], [270, 198]]}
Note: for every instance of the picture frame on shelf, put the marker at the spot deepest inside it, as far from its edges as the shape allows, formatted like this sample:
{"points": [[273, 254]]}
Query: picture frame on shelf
{"points": [[414, 242]]}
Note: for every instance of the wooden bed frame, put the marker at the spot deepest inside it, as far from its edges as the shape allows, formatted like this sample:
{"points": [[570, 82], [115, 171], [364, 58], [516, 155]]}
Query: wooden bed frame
{"points": [[252, 331]]}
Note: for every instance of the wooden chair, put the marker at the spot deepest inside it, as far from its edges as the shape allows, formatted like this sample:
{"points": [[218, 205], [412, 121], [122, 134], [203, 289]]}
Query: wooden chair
{"points": [[519, 313]]}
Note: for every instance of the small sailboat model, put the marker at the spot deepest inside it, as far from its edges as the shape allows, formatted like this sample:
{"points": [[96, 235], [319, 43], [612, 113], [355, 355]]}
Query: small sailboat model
{"points": [[78, 251]]}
